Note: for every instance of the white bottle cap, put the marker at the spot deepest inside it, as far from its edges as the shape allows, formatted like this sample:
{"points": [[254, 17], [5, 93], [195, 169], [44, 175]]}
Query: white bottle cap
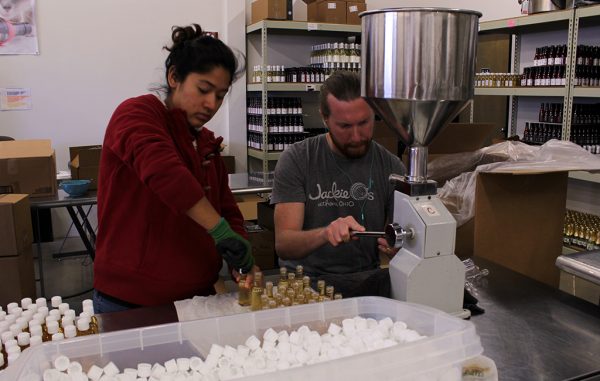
{"points": [[71, 313], [83, 325], [32, 307], [61, 363], [15, 329], [66, 321], [22, 322], [2, 315], [89, 310], [25, 302], [13, 349], [85, 315], [35, 340], [39, 318], [4, 326], [50, 319], [43, 310], [10, 319], [55, 313], [58, 336], [28, 314], [6, 336], [63, 307], [55, 301], [41, 302], [11, 306], [87, 302], [17, 311], [13, 357], [70, 331], [10, 343], [52, 326], [23, 338], [35, 330]]}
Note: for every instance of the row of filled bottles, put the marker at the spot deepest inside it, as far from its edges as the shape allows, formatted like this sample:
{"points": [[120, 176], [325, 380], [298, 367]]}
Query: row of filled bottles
{"points": [[583, 113], [336, 52], [582, 230], [275, 143], [310, 74], [276, 124], [275, 106], [293, 288], [29, 324]]}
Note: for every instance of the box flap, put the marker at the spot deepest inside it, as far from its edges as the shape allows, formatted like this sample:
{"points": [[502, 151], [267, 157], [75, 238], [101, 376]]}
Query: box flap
{"points": [[25, 148], [461, 137], [91, 152], [11, 198]]}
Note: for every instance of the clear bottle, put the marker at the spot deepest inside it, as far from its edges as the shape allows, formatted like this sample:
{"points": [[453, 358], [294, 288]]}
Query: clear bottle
{"points": [[243, 290], [257, 291]]}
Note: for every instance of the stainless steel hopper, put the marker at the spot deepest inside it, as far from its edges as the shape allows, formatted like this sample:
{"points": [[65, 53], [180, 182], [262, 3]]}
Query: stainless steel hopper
{"points": [[418, 72]]}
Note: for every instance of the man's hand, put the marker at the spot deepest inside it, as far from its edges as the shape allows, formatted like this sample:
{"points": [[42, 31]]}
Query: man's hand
{"points": [[385, 248], [234, 249], [338, 231]]}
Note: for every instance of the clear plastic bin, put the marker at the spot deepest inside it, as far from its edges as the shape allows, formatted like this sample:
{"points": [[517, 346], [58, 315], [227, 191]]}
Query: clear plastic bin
{"points": [[450, 342]]}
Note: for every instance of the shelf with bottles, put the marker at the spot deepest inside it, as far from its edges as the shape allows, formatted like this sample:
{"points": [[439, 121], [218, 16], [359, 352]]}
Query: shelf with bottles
{"points": [[581, 231], [522, 91]]}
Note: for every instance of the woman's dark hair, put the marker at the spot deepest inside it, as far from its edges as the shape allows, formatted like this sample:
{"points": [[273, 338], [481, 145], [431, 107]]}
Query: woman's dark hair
{"points": [[195, 51]]}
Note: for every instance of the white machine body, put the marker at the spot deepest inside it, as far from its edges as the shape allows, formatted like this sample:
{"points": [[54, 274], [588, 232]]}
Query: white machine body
{"points": [[426, 270]]}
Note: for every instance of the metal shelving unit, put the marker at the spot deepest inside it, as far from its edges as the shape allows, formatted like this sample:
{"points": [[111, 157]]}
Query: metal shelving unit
{"points": [[572, 20], [522, 91], [299, 29], [516, 27]]}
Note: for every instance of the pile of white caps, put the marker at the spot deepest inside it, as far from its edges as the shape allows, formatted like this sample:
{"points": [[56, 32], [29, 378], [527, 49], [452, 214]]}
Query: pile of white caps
{"points": [[277, 351]]}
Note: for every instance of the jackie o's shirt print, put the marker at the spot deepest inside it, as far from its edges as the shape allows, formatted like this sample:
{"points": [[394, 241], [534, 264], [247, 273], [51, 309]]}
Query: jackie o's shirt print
{"points": [[338, 197]]}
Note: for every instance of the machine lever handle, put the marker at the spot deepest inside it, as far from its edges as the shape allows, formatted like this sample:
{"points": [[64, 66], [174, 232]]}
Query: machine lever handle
{"points": [[355, 233]]}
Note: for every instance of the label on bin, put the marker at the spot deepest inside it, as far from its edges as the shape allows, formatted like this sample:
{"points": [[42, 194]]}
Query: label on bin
{"points": [[312, 26], [330, 5], [353, 8]]}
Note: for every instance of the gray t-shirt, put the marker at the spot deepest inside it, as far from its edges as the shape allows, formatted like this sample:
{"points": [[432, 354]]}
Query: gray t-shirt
{"points": [[332, 186]]}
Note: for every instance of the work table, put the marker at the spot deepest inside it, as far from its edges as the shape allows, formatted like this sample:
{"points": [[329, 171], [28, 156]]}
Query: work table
{"points": [[531, 331]]}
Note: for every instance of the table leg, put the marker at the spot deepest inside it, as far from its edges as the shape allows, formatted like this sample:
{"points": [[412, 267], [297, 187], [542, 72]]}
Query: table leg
{"points": [[38, 228], [88, 245], [86, 223]]}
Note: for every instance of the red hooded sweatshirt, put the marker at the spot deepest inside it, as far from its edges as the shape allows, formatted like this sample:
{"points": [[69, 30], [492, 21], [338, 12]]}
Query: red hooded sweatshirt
{"points": [[148, 251]]}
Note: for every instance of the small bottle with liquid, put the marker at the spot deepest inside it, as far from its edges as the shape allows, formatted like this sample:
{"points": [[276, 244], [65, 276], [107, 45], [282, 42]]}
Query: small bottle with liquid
{"points": [[283, 277], [83, 327], [93, 320], [321, 287], [257, 291], [243, 290]]}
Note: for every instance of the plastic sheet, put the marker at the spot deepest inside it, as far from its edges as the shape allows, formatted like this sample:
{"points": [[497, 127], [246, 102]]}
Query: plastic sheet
{"points": [[458, 193]]}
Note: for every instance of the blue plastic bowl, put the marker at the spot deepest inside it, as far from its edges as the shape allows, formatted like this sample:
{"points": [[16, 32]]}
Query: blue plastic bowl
{"points": [[75, 188]]}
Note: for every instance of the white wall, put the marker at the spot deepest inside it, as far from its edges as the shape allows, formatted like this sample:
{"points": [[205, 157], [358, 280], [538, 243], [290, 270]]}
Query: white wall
{"points": [[95, 54]]}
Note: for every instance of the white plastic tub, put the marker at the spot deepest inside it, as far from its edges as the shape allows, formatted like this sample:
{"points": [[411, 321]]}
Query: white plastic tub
{"points": [[450, 342]]}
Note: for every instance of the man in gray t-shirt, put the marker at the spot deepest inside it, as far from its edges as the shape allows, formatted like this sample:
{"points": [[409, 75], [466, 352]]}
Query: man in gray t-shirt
{"points": [[329, 185]]}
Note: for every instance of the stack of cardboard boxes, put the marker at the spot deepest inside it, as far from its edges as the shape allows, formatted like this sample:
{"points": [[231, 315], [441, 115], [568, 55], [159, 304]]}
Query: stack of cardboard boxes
{"points": [[28, 167], [325, 11], [17, 279], [335, 11]]}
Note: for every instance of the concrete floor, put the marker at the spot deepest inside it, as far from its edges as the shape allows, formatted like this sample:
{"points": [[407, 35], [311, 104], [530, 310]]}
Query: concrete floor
{"points": [[70, 277]]}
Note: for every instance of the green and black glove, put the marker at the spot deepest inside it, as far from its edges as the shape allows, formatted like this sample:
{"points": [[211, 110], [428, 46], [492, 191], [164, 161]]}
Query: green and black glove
{"points": [[234, 248]]}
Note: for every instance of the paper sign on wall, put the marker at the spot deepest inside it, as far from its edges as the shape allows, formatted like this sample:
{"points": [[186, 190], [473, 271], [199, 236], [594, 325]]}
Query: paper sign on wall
{"points": [[15, 99]]}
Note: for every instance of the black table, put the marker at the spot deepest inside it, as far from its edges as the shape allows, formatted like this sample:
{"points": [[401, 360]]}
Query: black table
{"points": [[531, 331], [75, 208]]}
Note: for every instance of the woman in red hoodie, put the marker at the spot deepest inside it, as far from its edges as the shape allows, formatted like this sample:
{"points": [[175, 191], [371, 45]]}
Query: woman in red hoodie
{"points": [[166, 215]]}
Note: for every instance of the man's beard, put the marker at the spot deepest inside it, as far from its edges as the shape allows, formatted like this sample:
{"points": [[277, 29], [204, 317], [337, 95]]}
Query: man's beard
{"points": [[351, 151]]}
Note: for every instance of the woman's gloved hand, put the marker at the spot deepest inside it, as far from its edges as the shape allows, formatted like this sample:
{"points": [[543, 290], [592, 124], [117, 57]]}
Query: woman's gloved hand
{"points": [[234, 248]]}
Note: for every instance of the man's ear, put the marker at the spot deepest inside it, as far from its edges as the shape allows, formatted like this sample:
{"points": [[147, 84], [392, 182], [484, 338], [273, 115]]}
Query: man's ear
{"points": [[324, 119]]}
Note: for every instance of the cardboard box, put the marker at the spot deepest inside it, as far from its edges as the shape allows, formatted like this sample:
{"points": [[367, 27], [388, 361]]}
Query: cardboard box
{"points": [[353, 9], [247, 205], [28, 167], [579, 287], [519, 222], [266, 213], [269, 9], [333, 12], [312, 11], [18, 279], [85, 163], [16, 234]]}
